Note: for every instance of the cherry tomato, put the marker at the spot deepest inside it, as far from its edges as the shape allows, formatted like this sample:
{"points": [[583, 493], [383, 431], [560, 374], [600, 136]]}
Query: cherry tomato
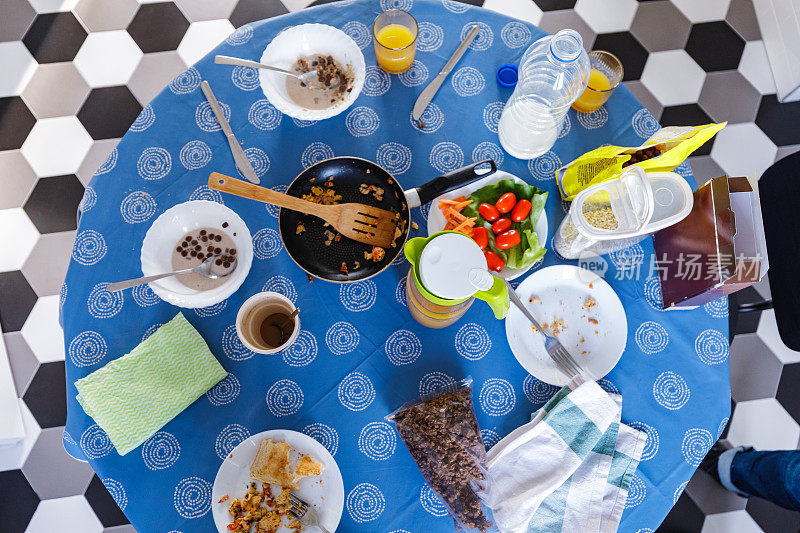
{"points": [[489, 212], [521, 211], [494, 261], [481, 236], [506, 202], [500, 225], [507, 240]]}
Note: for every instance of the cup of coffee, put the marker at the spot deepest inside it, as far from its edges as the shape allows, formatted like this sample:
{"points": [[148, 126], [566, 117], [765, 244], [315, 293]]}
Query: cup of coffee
{"points": [[264, 323]]}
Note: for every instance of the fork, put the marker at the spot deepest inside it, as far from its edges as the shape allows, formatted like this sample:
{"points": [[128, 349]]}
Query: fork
{"points": [[305, 513], [560, 356]]}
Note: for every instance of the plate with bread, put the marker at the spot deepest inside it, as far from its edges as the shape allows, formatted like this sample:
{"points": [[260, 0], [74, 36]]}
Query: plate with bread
{"points": [[250, 492]]}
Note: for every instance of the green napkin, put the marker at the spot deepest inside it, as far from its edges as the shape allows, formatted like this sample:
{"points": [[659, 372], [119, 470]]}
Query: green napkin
{"points": [[136, 395]]}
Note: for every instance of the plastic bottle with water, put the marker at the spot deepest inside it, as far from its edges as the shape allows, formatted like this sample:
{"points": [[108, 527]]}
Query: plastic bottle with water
{"points": [[553, 73]]}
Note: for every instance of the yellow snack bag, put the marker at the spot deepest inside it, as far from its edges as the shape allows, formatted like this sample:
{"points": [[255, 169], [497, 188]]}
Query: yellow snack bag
{"points": [[662, 152]]}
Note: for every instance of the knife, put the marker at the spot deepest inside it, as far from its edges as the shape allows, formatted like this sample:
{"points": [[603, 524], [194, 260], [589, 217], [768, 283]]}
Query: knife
{"points": [[430, 91], [239, 157]]}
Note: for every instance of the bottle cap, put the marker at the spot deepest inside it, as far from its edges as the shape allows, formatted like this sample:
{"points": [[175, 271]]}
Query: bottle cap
{"points": [[507, 75]]}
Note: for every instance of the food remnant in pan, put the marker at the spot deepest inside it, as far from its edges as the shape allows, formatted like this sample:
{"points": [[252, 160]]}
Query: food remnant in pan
{"points": [[300, 228], [593, 321], [343, 268], [330, 236], [376, 255], [376, 191], [589, 303], [197, 246], [318, 195], [336, 79]]}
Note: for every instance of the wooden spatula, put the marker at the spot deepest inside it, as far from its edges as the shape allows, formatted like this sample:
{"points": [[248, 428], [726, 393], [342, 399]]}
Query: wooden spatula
{"points": [[362, 223]]}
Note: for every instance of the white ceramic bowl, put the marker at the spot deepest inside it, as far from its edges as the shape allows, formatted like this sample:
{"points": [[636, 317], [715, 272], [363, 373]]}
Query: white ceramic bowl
{"points": [[304, 40], [168, 229]]}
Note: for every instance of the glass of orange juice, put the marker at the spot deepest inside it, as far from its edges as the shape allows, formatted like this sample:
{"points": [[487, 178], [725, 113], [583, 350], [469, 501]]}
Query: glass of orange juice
{"points": [[395, 36], [606, 76]]}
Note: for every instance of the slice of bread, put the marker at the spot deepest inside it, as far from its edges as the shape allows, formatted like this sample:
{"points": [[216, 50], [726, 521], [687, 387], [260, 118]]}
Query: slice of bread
{"points": [[272, 464]]}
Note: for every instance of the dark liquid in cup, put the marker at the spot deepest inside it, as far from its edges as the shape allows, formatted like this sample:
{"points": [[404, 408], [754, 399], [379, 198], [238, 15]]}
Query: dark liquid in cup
{"points": [[276, 329]]}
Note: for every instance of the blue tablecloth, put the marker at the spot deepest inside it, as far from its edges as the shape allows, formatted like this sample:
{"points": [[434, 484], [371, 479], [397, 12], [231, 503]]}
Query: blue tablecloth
{"points": [[360, 355]]}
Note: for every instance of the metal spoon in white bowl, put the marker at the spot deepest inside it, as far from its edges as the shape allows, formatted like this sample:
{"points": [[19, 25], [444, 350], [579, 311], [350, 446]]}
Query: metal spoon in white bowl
{"points": [[203, 269], [309, 78]]}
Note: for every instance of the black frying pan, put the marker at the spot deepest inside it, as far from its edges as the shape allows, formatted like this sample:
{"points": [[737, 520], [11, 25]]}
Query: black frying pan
{"points": [[348, 174]]}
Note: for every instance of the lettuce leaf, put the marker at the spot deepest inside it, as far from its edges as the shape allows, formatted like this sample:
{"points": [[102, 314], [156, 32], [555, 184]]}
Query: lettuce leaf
{"points": [[529, 250]]}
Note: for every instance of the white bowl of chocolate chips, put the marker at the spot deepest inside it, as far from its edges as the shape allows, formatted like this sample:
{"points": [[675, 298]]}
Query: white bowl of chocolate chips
{"points": [[183, 237]]}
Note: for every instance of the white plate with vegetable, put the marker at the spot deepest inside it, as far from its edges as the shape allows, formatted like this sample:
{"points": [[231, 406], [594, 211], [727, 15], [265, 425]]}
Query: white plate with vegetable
{"points": [[577, 307], [531, 230]]}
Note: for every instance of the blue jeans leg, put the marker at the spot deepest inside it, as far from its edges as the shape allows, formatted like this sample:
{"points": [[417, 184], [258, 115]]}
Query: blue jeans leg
{"points": [[772, 475]]}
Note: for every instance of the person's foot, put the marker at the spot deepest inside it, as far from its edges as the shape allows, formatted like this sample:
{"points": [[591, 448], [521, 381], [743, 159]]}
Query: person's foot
{"points": [[709, 462]]}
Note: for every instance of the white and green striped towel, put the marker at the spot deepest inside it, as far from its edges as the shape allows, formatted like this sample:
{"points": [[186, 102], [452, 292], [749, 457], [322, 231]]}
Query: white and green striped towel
{"points": [[568, 469], [134, 396]]}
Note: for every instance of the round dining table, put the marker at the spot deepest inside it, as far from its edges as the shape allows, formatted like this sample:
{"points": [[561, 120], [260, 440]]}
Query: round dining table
{"points": [[360, 355]]}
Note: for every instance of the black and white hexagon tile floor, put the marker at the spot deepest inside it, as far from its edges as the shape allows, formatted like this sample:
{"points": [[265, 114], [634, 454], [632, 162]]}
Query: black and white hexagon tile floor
{"points": [[64, 63]]}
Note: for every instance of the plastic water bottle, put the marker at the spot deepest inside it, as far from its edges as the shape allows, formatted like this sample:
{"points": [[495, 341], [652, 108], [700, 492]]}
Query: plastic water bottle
{"points": [[553, 73]]}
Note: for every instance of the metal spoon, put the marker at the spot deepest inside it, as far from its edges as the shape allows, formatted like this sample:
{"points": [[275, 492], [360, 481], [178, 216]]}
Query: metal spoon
{"points": [[203, 268], [309, 78]]}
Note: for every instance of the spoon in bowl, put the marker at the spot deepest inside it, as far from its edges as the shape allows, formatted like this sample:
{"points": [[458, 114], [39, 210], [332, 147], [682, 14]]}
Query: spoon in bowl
{"points": [[204, 269], [309, 78]]}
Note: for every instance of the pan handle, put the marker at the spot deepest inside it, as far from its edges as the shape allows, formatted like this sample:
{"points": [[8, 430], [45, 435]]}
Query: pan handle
{"points": [[446, 182]]}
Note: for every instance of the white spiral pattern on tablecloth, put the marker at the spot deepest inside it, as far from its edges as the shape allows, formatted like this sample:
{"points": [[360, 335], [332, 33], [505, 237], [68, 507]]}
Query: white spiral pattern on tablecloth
{"points": [[429, 37], [225, 391], [671, 391], [596, 119], [281, 285], [362, 121], [472, 341], [87, 348], [644, 124], [144, 120], [95, 442], [721, 428], [446, 156], [90, 247], [628, 258], [342, 338], [636, 492], [154, 163], [263, 115], [258, 159], [195, 154], [104, 304], [645, 530], [324, 434], [490, 437], [651, 337], [109, 164], [356, 391], [488, 150], [712, 347], [192, 497], [62, 296], [544, 167], [117, 492], [416, 75], [717, 308], [483, 40], [497, 397], [245, 78], [211, 310], [566, 126], [186, 82], [515, 35], [651, 445], [240, 35], [377, 441], [652, 292], [161, 451], [358, 296], [376, 82], [538, 392], [88, 200], [232, 346], [300, 123], [205, 118], [400, 292], [434, 381], [149, 331], [359, 33], [284, 398], [678, 491], [405, 5], [229, 438], [267, 243], [394, 157], [431, 119], [431, 501], [203, 192], [144, 296], [608, 386], [491, 115], [455, 6], [137, 207], [302, 352], [684, 169], [403, 347], [314, 153], [66, 437], [695, 445], [467, 81], [365, 503]]}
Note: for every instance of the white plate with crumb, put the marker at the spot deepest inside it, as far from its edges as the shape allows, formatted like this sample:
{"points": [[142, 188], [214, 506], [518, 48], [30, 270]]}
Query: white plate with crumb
{"points": [[325, 492], [585, 312]]}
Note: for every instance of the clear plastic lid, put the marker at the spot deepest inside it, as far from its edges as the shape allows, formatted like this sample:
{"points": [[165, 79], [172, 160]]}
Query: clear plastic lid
{"points": [[446, 263]]}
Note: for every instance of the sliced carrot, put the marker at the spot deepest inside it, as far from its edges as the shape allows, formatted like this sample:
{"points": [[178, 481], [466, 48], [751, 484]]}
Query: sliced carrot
{"points": [[461, 205], [446, 202], [468, 223], [451, 213]]}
